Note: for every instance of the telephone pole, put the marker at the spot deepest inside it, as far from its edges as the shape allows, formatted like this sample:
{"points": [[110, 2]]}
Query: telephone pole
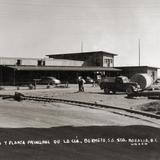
{"points": [[81, 46], [139, 51]]}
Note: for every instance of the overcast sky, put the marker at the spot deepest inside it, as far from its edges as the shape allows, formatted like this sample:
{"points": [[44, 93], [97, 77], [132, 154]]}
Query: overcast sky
{"points": [[34, 28]]}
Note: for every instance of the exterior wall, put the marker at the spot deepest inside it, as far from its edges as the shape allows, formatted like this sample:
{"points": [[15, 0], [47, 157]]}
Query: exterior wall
{"points": [[44, 62], [13, 61], [108, 61], [93, 60], [101, 59], [129, 71], [62, 62], [152, 73], [8, 61], [29, 62], [7, 76]]}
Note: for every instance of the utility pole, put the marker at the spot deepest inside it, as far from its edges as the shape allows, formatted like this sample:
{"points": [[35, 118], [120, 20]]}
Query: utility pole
{"points": [[139, 51], [81, 46]]}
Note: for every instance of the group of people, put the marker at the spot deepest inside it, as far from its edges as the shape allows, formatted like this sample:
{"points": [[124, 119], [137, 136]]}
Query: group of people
{"points": [[81, 82]]}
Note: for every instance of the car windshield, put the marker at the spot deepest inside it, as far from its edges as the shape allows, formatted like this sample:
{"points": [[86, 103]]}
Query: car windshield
{"points": [[49, 78], [53, 78]]}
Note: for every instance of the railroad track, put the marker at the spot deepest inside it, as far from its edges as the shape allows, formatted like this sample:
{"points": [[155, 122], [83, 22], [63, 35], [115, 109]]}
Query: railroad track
{"points": [[19, 97]]}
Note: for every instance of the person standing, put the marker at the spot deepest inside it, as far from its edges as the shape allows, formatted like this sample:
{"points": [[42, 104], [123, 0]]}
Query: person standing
{"points": [[81, 82]]}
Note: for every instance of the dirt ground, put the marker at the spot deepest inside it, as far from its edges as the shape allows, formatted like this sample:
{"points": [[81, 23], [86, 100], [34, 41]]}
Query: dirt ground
{"points": [[33, 131], [91, 94], [44, 115], [43, 131]]}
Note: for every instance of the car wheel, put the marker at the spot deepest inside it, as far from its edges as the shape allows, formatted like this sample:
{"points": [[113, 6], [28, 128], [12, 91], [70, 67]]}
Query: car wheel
{"points": [[130, 90], [51, 83], [114, 92]]}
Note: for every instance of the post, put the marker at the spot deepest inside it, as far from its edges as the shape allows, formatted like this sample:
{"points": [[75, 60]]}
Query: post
{"points": [[139, 51], [81, 46], [1, 76], [14, 77]]}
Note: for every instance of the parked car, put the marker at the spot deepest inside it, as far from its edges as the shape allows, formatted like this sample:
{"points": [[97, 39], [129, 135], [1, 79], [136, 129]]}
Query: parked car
{"points": [[118, 84], [157, 81], [155, 85], [89, 80], [49, 80]]}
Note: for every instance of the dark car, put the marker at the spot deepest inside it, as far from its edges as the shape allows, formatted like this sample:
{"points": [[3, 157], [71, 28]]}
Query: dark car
{"points": [[118, 84]]}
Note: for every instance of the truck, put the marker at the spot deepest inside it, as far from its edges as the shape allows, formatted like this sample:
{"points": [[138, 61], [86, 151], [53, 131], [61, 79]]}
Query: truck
{"points": [[118, 84]]}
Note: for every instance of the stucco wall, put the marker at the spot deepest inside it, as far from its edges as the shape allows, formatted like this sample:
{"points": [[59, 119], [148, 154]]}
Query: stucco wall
{"points": [[153, 73], [62, 62], [29, 62], [8, 61]]}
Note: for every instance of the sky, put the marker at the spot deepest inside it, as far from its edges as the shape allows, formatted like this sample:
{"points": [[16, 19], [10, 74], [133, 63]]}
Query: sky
{"points": [[34, 28]]}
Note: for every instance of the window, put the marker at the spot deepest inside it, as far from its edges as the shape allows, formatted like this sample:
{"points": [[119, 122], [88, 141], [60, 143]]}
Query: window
{"points": [[39, 62], [19, 62], [44, 63], [108, 62], [153, 75]]}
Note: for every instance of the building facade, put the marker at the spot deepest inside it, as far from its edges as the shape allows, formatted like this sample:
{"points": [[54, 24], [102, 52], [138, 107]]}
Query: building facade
{"points": [[66, 67], [98, 58], [129, 71]]}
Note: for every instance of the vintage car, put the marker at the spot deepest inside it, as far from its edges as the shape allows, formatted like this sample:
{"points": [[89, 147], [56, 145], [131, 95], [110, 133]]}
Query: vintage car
{"points": [[49, 80], [118, 84]]}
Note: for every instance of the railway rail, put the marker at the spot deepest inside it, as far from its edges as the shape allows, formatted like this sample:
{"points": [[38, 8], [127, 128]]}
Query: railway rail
{"points": [[19, 97]]}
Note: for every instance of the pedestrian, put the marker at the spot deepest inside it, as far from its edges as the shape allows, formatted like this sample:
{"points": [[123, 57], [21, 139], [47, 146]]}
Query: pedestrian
{"points": [[67, 84], [34, 84], [94, 83], [81, 82]]}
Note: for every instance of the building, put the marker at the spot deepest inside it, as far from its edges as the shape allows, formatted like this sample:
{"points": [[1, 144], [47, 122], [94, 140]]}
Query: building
{"points": [[129, 71], [98, 58], [66, 67]]}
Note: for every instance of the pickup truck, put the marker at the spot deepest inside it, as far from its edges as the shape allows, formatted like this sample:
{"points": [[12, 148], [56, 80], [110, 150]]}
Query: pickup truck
{"points": [[118, 84]]}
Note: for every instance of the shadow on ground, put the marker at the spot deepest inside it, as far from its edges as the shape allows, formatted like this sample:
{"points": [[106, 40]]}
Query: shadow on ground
{"points": [[80, 143]]}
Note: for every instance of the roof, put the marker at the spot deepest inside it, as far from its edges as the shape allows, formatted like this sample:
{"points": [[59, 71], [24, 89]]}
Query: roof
{"points": [[23, 58], [138, 67], [81, 53], [61, 68]]}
